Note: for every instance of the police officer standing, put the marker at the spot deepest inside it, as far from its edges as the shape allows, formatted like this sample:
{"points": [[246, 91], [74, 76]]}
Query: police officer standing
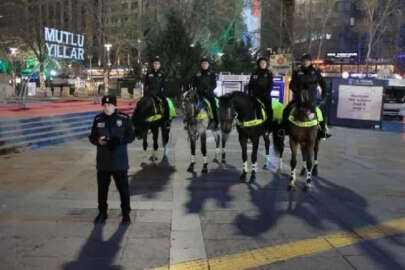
{"points": [[307, 78], [111, 132], [260, 86], [205, 82], [155, 83]]}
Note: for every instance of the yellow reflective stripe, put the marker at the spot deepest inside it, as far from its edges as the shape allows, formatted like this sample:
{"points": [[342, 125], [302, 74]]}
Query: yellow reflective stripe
{"points": [[319, 114], [210, 114], [153, 118], [254, 122], [202, 115], [302, 124]]}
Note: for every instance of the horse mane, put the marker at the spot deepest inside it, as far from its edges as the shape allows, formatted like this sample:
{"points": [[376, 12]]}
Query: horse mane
{"points": [[229, 96]]}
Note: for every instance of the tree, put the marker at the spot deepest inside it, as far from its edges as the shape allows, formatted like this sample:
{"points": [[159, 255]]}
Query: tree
{"points": [[376, 16], [237, 58], [213, 23], [179, 59]]}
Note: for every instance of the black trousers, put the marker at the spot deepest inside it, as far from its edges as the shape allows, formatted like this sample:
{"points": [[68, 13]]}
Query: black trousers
{"points": [[121, 182]]}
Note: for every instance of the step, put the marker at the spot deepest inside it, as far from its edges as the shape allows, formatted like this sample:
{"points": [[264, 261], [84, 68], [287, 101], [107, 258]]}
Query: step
{"points": [[5, 136], [9, 125], [69, 115], [58, 132], [40, 143]]}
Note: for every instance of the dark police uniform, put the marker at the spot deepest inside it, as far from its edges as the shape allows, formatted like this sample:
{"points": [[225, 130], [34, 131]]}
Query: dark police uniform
{"points": [[155, 83], [307, 79], [260, 86], [112, 158], [205, 82]]}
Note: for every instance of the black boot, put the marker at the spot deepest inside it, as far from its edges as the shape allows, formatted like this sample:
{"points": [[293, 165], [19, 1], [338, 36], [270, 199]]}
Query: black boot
{"points": [[324, 134], [101, 217]]}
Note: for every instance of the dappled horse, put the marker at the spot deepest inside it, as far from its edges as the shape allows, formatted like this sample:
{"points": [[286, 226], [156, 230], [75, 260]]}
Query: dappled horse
{"points": [[303, 132], [240, 106], [149, 115], [196, 119]]}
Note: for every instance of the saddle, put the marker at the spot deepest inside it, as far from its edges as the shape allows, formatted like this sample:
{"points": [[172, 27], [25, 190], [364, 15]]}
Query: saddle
{"points": [[160, 107]]}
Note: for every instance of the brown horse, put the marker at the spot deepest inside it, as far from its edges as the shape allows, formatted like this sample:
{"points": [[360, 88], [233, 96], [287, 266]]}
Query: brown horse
{"points": [[303, 132]]}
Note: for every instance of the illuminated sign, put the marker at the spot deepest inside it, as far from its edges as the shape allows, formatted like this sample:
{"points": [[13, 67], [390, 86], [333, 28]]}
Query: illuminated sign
{"points": [[63, 44], [360, 102]]}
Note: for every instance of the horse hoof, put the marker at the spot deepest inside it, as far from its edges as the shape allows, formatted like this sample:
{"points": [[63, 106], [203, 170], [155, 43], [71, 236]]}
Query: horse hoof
{"points": [[223, 161], [265, 167], [303, 171], [191, 168], [292, 188], [204, 169], [252, 179], [307, 187], [243, 177], [215, 160], [315, 171]]}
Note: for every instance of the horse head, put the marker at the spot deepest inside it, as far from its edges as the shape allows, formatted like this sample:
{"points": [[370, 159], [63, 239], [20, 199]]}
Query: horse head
{"points": [[139, 115], [227, 112], [305, 107]]}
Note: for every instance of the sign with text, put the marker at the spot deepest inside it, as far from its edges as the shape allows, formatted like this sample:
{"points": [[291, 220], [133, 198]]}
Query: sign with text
{"points": [[360, 102], [356, 102], [64, 45], [278, 88]]}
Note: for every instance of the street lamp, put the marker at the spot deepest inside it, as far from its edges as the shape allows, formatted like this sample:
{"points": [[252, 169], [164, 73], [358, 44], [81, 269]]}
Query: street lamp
{"points": [[139, 51], [107, 71], [13, 54]]}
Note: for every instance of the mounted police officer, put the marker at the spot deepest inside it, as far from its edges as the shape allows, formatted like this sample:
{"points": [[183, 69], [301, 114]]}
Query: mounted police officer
{"points": [[205, 82], [307, 78], [260, 86], [111, 132], [155, 84]]}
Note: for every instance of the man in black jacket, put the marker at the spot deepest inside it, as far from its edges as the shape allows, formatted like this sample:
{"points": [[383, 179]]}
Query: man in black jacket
{"points": [[155, 84], [205, 82], [260, 86], [111, 132], [307, 78]]}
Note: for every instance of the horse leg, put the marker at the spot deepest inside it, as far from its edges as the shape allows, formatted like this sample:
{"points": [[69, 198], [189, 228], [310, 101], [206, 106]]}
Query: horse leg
{"points": [[293, 163], [165, 138], [309, 152], [224, 139], [316, 150], [278, 142], [203, 140], [217, 146], [304, 164], [145, 141], [192, 163], [243, 144], [266, 138], [155, 134], [255, 142]]}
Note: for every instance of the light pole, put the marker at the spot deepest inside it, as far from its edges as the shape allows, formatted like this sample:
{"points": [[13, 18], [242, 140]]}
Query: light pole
{"points": [[139, 51], [13, 54], [107, 71]]}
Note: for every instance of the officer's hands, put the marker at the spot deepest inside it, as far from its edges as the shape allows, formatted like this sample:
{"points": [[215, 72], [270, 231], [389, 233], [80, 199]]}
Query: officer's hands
{"points": [[101, 140]]}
